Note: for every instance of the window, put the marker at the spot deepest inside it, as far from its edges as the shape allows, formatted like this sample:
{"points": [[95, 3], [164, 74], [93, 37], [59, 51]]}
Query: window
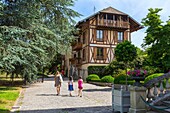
{"points": [[99, 35], [84, 37], [120, 37], [108, 16], [100, 53]]}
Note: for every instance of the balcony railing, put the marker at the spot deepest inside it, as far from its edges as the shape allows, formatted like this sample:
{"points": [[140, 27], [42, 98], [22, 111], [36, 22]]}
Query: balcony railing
{"points": [[158, 90], [112, 23], [77, 46]]}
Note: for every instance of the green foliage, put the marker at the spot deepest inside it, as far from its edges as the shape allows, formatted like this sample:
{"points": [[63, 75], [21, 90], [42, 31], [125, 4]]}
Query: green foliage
{"points": [[139, 61], [150, 77], [121, 77], [151, 70], [8, 96], [125, 52], [92, 77], [32, 33], [157, 40], [99, 70], [107, 79], [96, 80], [129, 82], [114, 67]]}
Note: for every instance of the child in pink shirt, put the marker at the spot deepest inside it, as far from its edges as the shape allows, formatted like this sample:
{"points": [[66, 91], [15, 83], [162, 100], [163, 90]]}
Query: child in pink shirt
{"points": [[80, 86]]}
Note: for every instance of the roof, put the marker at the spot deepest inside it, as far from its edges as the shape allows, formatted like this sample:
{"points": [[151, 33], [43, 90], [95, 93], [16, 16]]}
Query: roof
{"points": [[112, 11]]}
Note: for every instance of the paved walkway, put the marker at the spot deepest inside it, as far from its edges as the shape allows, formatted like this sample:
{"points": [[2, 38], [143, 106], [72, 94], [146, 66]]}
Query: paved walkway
{"points": [[41, 98]]}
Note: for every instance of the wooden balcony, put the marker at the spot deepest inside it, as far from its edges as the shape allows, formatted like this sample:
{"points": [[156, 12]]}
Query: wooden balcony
{"points": [[112, 23], [77, 46]]}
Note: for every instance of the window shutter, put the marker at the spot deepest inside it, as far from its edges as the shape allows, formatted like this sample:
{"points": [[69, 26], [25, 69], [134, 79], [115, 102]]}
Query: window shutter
{"points": [[105, 53]]}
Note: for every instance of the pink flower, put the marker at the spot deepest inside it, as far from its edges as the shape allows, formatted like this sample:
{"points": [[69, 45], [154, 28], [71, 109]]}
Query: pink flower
{"points": [[138, 73], [128, 72]]}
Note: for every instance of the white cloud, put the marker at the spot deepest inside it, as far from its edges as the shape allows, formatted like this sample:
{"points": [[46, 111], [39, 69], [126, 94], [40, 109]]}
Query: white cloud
{"points": [[136, 9]]}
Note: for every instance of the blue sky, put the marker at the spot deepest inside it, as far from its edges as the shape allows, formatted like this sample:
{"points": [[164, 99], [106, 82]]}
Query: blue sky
{"points": [[137, 9]]}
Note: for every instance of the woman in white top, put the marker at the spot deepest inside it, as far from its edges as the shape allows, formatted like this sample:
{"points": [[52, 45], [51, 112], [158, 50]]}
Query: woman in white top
{"points": [[58, 80]]}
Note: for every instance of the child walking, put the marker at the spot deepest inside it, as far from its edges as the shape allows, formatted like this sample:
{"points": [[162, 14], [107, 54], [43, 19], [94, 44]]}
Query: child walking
{"points": [[80, 86], [70, 85]]}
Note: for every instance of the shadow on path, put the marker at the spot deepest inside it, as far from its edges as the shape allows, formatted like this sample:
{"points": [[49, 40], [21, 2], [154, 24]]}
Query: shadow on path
{"points": [[93, 90], [46, 95], [95, 109], [54, 95]]}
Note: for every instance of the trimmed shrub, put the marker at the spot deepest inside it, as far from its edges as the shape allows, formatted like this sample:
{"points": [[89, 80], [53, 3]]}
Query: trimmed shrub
{"points": [[96, 80], [92, 77], [107, 79], [121, 77], [150, 77]]}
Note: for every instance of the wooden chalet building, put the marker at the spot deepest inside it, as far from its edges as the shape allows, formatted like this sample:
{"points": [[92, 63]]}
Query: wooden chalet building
{"points": [[99, 34]]}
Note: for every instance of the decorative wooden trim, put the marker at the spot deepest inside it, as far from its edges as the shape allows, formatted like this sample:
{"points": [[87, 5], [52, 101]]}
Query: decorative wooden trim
{"points": [[95, 53], [92, 54], [105, 54]]}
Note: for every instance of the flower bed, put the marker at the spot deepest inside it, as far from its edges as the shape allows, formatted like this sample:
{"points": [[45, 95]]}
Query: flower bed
{"points": [[137, 73]]}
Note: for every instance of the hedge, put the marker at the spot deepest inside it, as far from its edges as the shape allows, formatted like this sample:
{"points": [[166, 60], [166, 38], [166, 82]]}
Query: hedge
{"points": [[107, 79], [93, 77]]}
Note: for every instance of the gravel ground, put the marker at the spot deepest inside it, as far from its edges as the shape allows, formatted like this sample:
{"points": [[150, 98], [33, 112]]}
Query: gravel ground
{"points": [[41, 98]]}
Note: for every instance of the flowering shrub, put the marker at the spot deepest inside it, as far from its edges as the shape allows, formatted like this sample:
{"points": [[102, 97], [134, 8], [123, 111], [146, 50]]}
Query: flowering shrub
{"points": [[137, 73]]}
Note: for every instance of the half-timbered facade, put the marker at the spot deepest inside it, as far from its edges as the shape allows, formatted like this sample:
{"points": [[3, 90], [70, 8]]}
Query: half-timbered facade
{"points": [[98, 36]]}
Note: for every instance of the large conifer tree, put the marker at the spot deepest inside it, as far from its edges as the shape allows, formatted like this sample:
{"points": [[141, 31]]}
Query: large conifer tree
{"points": [[32, 32]]}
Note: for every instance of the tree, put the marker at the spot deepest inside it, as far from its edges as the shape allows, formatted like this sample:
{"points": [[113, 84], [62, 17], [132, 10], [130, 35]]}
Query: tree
{"points": [[114, 67], [157, 40], [125, 52], [140, 59], [32, 33]]}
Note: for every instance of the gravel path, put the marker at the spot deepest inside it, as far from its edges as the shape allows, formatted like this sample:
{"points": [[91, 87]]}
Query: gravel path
{"points": [[41, 98]]}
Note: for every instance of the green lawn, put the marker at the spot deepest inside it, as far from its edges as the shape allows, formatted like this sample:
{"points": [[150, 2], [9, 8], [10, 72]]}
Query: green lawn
{"points": [[8, 96]]}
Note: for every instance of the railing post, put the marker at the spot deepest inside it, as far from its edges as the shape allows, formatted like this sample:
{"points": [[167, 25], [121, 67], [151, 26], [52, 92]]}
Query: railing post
{"points": [[167, 86], [149, 96], [155, 92], [161, 89]]}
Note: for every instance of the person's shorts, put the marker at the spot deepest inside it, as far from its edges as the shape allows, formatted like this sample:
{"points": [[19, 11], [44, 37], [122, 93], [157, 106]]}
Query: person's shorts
{"points": [[80, 87]]}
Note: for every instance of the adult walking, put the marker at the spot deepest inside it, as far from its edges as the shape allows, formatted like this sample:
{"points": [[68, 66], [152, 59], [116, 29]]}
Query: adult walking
{"points": [[58, 81]]}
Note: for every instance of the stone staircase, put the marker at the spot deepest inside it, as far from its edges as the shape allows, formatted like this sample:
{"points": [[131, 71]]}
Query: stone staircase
{"points": [[163, 106], [158, 96]]}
